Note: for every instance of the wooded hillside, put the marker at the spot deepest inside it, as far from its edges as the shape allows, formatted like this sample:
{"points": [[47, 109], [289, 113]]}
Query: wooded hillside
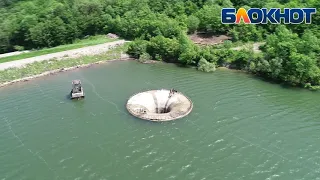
{"points": [[160, 31]]}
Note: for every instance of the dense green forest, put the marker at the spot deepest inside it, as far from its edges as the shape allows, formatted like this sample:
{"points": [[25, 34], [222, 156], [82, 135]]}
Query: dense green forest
{"points": [[159, 30]]}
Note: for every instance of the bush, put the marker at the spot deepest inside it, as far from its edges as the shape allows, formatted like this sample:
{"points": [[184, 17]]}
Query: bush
{"points": [[137, 48], [158, 57], [144, 57], [18, 48], [205, 66]]}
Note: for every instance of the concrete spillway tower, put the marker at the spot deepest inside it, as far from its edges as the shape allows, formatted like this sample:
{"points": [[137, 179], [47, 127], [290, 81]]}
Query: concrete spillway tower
{"points": [[159, 105]]}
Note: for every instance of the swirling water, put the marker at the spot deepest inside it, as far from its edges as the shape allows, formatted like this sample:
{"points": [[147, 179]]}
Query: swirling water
{"points": [[240, 128]]}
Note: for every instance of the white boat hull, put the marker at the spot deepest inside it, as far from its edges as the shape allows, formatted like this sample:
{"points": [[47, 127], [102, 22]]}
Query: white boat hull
{"points": [[77, 95]]}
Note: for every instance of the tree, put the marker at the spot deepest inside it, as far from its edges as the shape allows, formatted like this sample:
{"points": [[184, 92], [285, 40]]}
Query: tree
{"points": [[245, 32], [208, 53], [193, 23], [5, 3], [289, 58], [21, 35], [242, 58], [309, 44], [210, 19], [4, 42], [49, 34], [188, 51], [190, 7], [166, 48]]}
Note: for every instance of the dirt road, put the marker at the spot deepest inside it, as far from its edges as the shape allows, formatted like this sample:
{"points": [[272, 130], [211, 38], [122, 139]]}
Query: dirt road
{"points": [[85, 51]]}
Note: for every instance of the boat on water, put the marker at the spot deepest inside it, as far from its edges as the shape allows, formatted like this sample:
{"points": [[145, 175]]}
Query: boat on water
{"points": [[77, 90]]}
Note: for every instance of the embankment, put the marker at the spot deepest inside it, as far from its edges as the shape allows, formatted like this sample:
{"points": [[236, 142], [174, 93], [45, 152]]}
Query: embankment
{"points": [[64, 55]]}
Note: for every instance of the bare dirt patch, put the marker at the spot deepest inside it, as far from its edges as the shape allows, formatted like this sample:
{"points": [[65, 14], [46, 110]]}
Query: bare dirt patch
{"points": [[255, 47], [208, 39]]}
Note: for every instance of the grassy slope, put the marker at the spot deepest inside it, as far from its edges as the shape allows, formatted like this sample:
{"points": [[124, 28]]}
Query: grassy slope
{"points": [[94, 40], [43, 66]]}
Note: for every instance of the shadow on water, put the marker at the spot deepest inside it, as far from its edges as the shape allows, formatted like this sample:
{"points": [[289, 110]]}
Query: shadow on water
{"points": [[68, 97], [158, 123], [184, 66], [284, 85]]}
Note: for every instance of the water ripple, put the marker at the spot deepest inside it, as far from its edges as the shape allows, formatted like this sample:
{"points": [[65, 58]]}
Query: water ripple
{"points": [[240, 128]]}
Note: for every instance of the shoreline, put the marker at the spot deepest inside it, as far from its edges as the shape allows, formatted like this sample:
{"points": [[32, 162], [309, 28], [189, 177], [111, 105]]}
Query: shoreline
{"points": [[64, 55], [56, 71]]}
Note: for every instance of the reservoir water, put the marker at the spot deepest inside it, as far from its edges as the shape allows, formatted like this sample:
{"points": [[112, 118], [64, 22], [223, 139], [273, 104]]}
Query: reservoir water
{"points": [[241, 128]]}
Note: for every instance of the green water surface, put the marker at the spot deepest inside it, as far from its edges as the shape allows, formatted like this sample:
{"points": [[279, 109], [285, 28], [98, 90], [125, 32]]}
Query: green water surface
{"points": [[241, 128]]}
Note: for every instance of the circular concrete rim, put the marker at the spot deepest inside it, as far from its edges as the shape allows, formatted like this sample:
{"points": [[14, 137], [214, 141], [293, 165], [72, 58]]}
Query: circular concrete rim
{"points": [[155, 120]]}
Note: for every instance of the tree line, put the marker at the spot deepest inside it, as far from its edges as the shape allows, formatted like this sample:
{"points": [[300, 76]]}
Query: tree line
{"points": [[159, 30]]}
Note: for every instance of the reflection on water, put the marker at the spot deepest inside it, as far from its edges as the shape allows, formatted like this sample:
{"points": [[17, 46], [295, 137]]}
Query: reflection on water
{"points": [[240, 128]]}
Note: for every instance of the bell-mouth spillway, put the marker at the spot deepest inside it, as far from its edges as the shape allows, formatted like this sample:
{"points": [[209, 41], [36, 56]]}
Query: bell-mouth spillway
{"points": [[159, 105]]}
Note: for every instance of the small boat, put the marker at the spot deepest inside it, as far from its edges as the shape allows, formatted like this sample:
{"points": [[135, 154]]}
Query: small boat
{"points": [[77, 90]]}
